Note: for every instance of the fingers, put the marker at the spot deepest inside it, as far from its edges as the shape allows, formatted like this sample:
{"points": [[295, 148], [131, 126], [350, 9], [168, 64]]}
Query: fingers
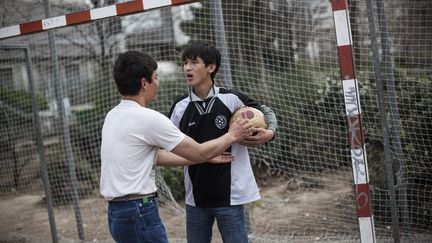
{"points": [[225, 159], [222, 158], [241, 129], [246, 125], [256, 130], [249, 143], [244, 122], [259, 136], [250, 132], [226, 154]]}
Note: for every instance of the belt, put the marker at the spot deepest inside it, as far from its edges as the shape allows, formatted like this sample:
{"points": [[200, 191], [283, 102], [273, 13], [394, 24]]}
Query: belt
{"points": [[130, 197]]}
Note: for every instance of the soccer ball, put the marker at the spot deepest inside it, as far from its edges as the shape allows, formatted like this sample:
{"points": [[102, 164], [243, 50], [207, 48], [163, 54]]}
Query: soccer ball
{"points": [[253, 115]]}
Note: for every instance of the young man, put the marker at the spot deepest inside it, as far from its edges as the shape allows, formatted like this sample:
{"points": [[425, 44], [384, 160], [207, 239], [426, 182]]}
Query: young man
{"points": [[216, 191], [131, 137]]}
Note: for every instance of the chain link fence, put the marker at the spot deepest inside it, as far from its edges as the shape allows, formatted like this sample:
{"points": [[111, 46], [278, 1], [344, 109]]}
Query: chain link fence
{"points": [[57, 85]]}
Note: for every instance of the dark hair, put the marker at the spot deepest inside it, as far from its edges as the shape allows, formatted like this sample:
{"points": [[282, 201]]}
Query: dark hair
{"points": [[204, 50], [129, 68]]}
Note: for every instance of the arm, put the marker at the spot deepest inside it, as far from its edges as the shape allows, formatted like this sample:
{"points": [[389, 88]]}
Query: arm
{"points": [[270, 117], [166, 158], [263, 135], [190, 150]]}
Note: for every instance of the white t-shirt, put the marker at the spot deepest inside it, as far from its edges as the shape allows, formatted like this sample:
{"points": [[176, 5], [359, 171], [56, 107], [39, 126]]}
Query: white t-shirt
{"points": [[131, 136]]}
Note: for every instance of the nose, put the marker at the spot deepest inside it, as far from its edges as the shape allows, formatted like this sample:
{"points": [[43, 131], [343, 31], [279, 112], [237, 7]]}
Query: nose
{"points": [[187, 67]]}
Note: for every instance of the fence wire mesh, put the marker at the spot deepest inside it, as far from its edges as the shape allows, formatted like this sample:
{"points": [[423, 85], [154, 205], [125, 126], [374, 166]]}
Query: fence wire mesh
{"points": [[282, 53]]}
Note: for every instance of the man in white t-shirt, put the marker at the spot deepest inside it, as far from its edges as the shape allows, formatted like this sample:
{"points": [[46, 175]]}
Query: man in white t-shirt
{"points": [[133, 138]]}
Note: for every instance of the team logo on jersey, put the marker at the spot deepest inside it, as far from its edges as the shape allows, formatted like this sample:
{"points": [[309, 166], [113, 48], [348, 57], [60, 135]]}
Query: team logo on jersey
{"points": [[221, 121]]}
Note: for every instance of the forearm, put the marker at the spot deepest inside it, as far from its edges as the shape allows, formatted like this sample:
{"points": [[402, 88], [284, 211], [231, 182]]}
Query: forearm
{"points": [[193, 151], [217, 146], [165, 158], [270, 117]]}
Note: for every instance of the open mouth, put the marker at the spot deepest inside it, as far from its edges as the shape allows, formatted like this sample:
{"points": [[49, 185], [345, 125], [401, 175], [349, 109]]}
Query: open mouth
{"points": [[189, 76]]}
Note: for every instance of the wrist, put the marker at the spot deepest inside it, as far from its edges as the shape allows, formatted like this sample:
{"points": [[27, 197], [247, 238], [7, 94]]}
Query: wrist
{"points": [[231, 137], [274, 133]]}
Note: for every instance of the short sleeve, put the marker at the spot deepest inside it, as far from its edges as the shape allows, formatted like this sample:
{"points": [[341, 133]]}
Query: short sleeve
{"points": [[164, 133]]}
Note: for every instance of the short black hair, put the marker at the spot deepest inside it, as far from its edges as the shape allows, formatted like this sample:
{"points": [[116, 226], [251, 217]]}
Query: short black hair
{"points": [[129, 68], [204, 50]]}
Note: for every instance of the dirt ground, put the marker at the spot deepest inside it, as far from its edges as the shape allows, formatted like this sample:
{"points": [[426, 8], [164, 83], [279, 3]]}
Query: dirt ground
{"points": [[285, 212]]}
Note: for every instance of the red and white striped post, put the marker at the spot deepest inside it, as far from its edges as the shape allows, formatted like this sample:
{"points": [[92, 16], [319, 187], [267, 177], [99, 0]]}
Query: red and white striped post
{"points": [[86, 16], [355, 129]]}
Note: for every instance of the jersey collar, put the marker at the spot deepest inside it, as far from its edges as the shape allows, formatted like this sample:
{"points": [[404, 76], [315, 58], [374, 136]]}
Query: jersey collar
{"points": [[214, 91]]}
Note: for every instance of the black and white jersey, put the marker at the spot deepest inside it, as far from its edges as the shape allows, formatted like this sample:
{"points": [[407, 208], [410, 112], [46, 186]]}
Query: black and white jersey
{"points": [[215, 185]]}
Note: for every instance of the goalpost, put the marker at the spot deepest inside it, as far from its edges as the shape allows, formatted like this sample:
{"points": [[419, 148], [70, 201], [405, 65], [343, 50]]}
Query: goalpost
{"points": [[355, 127]]}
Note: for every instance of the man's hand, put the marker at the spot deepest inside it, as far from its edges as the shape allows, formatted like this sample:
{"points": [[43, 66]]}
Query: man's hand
{"points": [[260, 136], [241, 129], [225, 157]]}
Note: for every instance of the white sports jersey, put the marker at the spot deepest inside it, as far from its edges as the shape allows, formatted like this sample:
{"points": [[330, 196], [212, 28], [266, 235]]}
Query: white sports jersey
{"points": [[131, 136], [207, 184]]}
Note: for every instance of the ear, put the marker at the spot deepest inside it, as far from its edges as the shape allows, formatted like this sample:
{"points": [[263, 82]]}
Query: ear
{"points": [[211, 67], [143, 83]]}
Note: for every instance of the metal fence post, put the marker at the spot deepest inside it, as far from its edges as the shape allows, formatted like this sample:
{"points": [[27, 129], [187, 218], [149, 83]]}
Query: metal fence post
{"points": [[65, 126], [39, 139], [41, 150], [394, 113], [384, 124], [221, 42]]}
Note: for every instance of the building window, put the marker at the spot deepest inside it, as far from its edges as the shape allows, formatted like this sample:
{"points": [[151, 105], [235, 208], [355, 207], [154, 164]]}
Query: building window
{"points": [[6, 78]]}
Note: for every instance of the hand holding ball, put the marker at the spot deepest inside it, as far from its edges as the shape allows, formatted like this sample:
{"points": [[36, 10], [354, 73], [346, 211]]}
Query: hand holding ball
{"points": [[255, 116]]}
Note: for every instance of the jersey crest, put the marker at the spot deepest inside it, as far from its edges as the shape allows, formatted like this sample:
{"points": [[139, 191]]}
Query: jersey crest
{"points": [[221, 121]]}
